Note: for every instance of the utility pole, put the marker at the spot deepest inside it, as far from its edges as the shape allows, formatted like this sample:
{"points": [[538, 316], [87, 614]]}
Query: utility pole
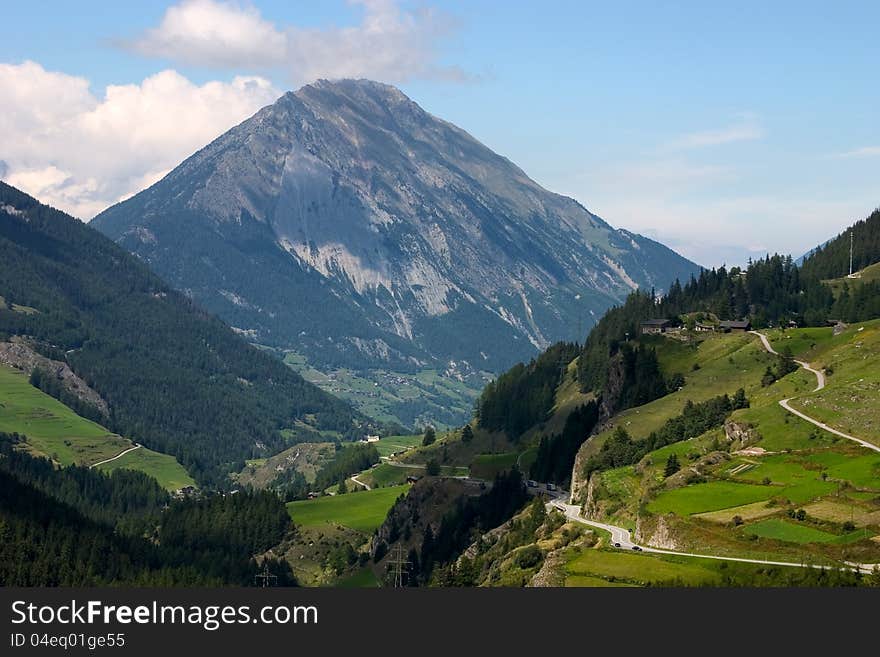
{"points": [[267, 578], [399, 567], [563, 367], [851, 239]]}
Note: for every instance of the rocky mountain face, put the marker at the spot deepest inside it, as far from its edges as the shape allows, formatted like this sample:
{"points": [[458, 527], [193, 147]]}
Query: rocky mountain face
{"points": [[348, 224]]}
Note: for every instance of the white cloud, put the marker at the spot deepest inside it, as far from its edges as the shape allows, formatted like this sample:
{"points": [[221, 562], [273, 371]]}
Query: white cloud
{"points": [[746, 130], [81, 153], [211, 33], [864, 151], [389, 44]]}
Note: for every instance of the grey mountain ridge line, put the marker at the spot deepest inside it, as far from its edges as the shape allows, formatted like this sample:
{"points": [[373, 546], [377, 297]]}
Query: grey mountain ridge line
{"points": [[345, 222]]}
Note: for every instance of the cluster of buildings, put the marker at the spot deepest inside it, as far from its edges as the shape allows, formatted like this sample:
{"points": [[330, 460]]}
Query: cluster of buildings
{"points": [[654, 326]]}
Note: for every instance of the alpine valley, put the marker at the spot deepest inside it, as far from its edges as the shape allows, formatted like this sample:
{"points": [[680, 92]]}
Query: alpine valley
{"points": [[386, 254], [323, 338]]}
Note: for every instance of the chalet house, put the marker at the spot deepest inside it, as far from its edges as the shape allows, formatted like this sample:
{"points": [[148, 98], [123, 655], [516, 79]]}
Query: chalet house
{"points": [[655, 326], [186, 491], [702, 328], [735, 325]]}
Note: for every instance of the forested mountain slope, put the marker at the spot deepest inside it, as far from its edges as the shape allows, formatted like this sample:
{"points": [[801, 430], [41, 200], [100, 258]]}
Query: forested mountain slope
{"points": [[75, 526], [831, 260], [172, 376]]}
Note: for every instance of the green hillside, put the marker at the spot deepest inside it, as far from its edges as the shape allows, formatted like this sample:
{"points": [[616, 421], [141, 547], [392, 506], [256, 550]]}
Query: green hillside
{"points": [[849, 401], [778, 486], [832, 259], [162, 467], [870, 274], [362, 511], [492, 451], [53, 430]]}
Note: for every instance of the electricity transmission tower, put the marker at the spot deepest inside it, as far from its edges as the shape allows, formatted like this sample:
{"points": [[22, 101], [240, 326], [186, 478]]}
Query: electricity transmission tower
{"points": [[399, 567], [267, 578]]}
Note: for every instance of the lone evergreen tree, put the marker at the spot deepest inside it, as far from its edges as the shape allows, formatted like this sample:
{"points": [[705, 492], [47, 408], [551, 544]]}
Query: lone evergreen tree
{"points": [[430, 436], [467, 434], [672, 466]]}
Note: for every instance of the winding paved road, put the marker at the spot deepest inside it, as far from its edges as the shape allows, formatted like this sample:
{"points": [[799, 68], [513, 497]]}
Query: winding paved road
{"points": [[359, 482], [120, 455], [820, 375], [624, 538], [820, 383]]}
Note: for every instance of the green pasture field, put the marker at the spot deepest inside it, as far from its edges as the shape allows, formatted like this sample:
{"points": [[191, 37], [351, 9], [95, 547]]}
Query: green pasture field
{"points": [[363, 511], [711, 496], [162, 467], [727, 362], [393, 444], [486, 466], [751, 511], [782, 530], [54, 430], [866, 275]]}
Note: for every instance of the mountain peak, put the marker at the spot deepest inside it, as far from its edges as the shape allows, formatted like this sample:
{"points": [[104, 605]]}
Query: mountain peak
{"points": [[357, 89], [353, 83], [347, 222]]}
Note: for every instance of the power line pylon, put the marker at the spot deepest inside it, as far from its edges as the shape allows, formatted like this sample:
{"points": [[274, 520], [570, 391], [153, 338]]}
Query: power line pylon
{"points": [[267, 578], [399, 567]]}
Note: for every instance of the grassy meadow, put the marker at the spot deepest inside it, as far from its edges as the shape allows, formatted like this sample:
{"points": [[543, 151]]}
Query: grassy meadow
{"points": [[362, 511], [54, 430], [162, 467]]}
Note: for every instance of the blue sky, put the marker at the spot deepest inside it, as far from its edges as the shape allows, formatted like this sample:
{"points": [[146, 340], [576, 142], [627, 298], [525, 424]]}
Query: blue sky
{"points": [[723, 129]]}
